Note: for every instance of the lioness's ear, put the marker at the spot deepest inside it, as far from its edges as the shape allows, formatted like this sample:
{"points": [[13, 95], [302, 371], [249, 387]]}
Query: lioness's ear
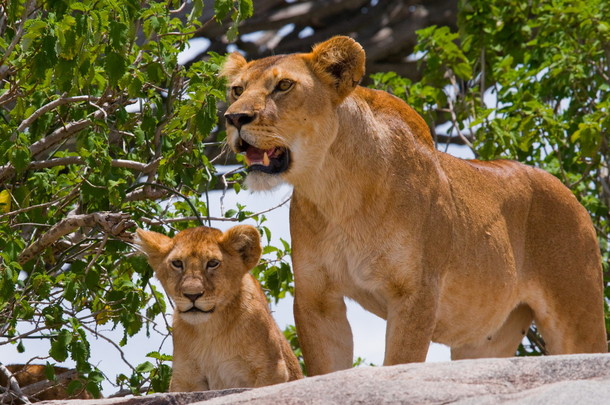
{"points": [[245, 241], [339, 61], [233, 65], [154, 245]]}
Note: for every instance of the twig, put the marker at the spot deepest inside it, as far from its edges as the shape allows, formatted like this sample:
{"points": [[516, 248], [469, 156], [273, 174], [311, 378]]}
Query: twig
{"points": [[116, 346], [26, 11], [454, 119], [175, 192], [219, 219]]}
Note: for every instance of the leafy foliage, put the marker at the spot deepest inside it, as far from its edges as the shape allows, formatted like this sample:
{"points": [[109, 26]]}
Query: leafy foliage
{"points": [[528, 81], [102, 129]]}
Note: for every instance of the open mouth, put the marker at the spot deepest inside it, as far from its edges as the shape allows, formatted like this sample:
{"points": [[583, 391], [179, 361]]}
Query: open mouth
{"points": [[272, 161]]}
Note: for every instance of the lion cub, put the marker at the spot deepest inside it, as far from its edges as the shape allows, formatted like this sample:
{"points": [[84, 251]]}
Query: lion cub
{"points": [[223, 332]]}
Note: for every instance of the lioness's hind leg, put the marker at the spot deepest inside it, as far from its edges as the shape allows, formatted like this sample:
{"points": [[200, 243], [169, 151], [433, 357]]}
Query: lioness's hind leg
{"points": [[504, 342], [570, 324]]}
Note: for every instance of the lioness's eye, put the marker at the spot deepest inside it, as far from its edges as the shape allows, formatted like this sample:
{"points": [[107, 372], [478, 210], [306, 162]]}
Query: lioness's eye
{"points": [[212, 264], [177, 264], [284, 85], [237, 91]]}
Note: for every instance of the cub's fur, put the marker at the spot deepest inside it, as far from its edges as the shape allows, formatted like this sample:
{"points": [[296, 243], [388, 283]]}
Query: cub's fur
{"points": [[461, 252], [223, 332]]}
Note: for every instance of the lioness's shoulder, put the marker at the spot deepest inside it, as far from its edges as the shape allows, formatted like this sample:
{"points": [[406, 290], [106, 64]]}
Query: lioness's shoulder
{"points": [[393, 110]]}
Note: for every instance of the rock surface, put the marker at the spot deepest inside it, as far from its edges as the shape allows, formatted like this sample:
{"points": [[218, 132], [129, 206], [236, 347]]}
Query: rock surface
{"points": [[575, 379]]}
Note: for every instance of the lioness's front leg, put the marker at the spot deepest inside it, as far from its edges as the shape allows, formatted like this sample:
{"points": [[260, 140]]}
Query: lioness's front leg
{"points": [[324, 333], [410, 325], [320, 315]]}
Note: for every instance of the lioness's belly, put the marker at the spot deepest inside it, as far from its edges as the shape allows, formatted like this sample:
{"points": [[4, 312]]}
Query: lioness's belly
{"points": [[469, 309]]}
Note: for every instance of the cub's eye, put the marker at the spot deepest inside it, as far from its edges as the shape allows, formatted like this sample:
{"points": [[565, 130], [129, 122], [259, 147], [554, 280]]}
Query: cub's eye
{"points": [[284, 85], [212, 264], [177, 264], [237, 91]]}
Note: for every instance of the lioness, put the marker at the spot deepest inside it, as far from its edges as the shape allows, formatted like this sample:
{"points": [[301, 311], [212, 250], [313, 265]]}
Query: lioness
{"points": [[461, 252], [223, 332]]}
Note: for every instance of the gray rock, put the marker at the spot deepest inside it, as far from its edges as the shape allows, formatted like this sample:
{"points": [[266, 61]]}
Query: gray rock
{"points": [[575, 379]]}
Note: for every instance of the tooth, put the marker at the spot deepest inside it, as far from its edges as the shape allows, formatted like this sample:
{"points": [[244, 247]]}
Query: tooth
{"points": [[265, 159]]}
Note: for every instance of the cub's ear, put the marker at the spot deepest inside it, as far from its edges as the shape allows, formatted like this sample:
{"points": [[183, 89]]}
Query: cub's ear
{"points": [[246, 242], [154, 245], [233, 65], [339, 62]]}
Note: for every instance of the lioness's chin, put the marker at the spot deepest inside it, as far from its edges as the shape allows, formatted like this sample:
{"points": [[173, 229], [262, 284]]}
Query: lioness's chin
{"points": [[196, 317], [259, 181]]}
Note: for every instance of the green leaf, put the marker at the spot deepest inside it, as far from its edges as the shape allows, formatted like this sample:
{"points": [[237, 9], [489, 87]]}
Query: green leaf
{"points": [[46, 56], [118, 35], [246, 9], [145, 367], [59, 345], [222, 8], [115, 65], [159, 356]]}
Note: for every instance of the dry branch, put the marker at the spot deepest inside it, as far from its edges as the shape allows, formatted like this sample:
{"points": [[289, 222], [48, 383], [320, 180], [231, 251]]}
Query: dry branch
{"points": [[50, 106], [13, 385], [111, 223]]}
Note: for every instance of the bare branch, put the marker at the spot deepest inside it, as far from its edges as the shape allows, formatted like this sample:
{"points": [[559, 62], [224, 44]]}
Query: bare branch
{"points": [[59, 135], [50, 106], [14, 388], [111, 223], [77, 160], [146, 193]]}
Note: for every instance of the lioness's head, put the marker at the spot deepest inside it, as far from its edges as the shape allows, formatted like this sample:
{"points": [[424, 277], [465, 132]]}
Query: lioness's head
{"points": [[201, 269], [281, 113]]}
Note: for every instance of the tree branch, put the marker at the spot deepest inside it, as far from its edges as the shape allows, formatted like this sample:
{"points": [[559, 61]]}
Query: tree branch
{"points": [[13, 385], [50, 106], [59, 135], [111, 223], [77, 160]]}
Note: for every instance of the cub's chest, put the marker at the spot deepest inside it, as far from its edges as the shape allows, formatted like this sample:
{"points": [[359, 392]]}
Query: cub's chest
{"points": [[222, 372]]}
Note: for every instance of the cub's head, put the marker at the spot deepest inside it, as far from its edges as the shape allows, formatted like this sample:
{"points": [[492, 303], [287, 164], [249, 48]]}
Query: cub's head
{"points": [[282, 112], [201, 269]]}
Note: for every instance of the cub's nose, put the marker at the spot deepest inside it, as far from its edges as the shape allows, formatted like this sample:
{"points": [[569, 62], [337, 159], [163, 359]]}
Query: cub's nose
{"points": [[193, 297], [239, 120]]}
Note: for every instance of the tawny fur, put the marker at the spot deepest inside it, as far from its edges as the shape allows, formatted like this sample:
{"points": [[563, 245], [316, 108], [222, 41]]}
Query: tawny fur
{"points": [[236, 342], [461, 252]]}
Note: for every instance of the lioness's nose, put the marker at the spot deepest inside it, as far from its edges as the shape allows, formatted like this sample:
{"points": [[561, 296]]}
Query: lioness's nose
{"points": [[238, 120], [193, 297]]}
